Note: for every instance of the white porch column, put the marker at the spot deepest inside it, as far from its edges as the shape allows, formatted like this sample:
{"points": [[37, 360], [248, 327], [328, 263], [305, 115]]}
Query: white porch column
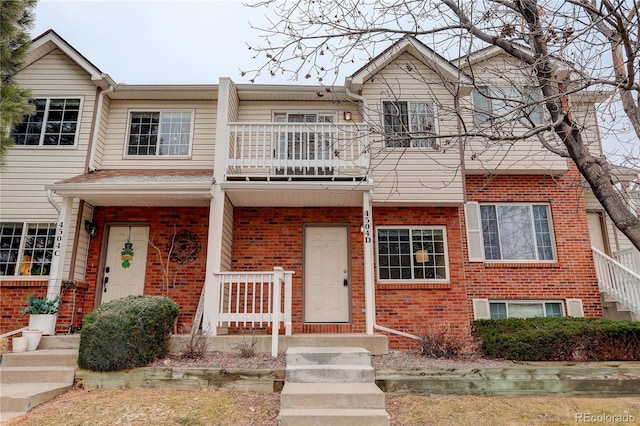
{"points": [[60, 248], [369, 281], [214, 253]]}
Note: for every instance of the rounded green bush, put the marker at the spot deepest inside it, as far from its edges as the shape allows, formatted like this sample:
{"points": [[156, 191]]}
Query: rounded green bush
{"points": [[127, 333]]}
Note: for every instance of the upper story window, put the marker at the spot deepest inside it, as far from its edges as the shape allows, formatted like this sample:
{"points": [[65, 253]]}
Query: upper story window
{"points": [[160, 133], [501, 104], [412, 253], [54, 123], [26, 248], [517, 232], [409, 124]]}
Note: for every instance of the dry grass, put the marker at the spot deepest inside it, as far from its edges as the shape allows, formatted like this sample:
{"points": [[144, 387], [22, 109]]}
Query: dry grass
{"points": [[191, 408]]}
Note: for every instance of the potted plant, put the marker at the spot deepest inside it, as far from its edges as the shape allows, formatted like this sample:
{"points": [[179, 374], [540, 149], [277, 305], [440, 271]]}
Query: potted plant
{"points": [[43, 313]]}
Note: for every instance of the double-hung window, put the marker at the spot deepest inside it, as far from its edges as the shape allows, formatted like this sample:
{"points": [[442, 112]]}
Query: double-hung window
{"points": [[160, 133], [502, 104], [412, 253], [525, 309], [409, 124], [55, 122], [517, 232], [26, 248]]}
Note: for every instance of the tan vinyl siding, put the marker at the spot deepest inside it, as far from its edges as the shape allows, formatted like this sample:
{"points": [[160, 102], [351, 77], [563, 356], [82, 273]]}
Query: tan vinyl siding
{"points": [[227, 236], [586, 117], [27, 170], [414, 175], [202, 139], [519, 156], [262, 111], [102, 133]]}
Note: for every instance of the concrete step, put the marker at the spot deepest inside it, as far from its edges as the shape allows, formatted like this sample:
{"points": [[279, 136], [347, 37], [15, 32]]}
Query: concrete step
{"points": [[331, 395], [36, 375], [333, 417], [24, 396], [48, 357], [308, 355], [330, 374], [70, 341]]}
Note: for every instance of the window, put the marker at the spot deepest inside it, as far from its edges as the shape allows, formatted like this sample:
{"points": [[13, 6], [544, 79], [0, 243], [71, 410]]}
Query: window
{"points": [[54, 123], [520, 232], [26, 249], [501, 104], [414, 253], [154, 133], [409, 124], [525, 309]]}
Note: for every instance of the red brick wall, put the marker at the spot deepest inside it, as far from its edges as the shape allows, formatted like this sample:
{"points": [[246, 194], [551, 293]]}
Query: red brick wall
{"points": [[264, 238], [163, 222], [572, 276]]}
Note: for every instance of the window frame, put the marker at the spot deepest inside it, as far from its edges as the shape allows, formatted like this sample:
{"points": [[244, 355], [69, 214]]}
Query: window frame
{"points": [[433, 134], [46, 120], [158, 154], [530, 205], [411, 228], [542, 302], [484, 115], [23, 250]]}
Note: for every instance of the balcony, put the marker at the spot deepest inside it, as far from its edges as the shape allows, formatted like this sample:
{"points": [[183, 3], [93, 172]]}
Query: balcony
{"points": [[297, 151]]}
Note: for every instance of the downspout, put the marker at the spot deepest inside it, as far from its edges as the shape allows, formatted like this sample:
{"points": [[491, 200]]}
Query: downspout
{"points": [[52, 201], [370, 299], [96, 129]]}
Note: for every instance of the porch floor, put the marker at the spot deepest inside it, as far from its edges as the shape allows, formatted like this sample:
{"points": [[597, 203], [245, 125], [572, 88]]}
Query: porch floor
{"points": [[377, 344]]}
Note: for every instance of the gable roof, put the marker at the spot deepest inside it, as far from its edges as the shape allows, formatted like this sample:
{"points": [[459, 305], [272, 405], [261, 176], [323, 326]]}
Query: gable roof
{"points": [[48, 41], [418, 49]]}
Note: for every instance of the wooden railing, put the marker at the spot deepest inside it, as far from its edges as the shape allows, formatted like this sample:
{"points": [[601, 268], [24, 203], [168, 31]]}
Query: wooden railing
{"points": [[320, 150], [253, 299], [629, 258], [618, 281]]}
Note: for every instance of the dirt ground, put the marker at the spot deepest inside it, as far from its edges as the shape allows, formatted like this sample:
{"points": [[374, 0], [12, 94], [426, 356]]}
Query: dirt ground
{"points": [[170, 407]]}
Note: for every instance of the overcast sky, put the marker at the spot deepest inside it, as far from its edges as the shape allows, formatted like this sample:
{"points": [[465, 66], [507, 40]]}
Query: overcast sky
{"points": [[159, 41]]}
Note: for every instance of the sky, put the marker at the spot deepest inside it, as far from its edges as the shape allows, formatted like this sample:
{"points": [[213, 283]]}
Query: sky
{"points": [[160, 41]]}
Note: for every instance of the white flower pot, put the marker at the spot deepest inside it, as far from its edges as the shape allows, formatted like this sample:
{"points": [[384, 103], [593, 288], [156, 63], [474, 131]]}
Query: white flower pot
{"points": [[19, 344], [44, 322], [33, 338]]}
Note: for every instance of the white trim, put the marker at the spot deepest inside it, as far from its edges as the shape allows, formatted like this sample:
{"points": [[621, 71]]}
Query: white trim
{"points": [[45, 120], [442, 228], [481, 309], [574, 308], [157, 155], [436, 124]]}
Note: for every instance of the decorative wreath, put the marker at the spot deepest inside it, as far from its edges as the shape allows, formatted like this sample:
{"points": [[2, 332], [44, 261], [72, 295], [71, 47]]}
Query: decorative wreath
{"points": [[186, 246]]}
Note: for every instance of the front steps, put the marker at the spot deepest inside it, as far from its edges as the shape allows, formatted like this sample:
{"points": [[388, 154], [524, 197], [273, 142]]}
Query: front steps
{"points": [[331, 386], [28, 379], [612, 309]]}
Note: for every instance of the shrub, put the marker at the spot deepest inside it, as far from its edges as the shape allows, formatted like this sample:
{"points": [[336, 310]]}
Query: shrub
{"points": [[126, 333], [559, 339], [445, 341], [193, 345]]}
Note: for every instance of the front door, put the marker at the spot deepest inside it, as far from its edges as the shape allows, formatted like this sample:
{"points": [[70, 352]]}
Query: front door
{"points": [[124, 278], [326, 274]]}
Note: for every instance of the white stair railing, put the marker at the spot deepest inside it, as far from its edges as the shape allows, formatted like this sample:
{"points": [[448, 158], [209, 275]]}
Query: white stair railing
{"points": [[618, 281], [254, 299]]}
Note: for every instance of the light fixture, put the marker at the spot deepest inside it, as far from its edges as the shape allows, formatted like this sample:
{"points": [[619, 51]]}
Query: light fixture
{"points": [[91, 228], [362, 228], [347, 115]]}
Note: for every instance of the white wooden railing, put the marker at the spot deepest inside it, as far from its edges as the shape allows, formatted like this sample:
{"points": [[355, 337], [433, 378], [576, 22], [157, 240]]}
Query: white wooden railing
{"points": [[254, 299], [629, 258], [322, 150], [618, 281]]}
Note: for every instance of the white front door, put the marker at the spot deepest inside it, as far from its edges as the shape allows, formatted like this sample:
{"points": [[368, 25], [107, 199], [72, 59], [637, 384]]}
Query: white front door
{"points": [[326, 274], [120, 281]]}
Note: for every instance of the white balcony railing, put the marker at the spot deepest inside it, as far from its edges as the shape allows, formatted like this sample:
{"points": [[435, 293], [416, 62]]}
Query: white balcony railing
{"points": [[618, 281], [253, 299], [322, 150], [629, 258]]}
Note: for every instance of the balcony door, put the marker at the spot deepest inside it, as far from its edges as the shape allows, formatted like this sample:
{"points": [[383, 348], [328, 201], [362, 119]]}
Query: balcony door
{"points": [[305, 144], [327, 281]]}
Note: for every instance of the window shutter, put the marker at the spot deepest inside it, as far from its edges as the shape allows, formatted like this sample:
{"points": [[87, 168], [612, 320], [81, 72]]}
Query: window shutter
{"points": [[481, 309], [474, 232], [574, 308]]}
